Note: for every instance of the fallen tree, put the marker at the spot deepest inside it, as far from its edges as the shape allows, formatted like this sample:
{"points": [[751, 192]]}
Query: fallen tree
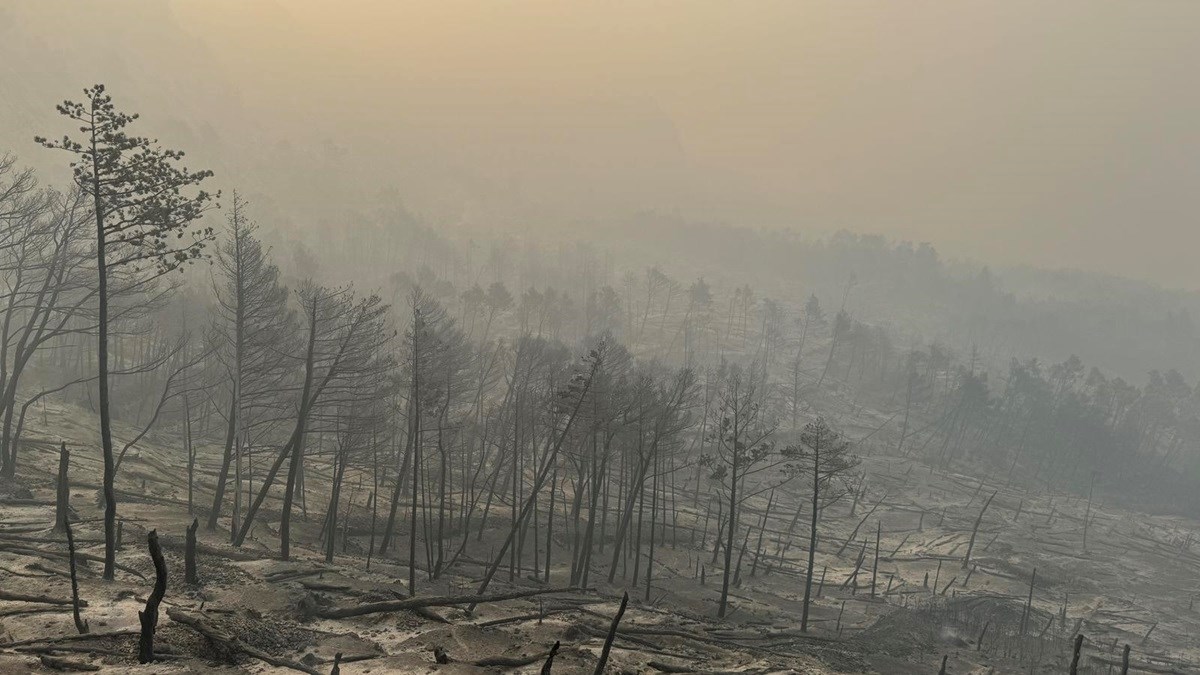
{"points": [[231, 644], [428, 601]]}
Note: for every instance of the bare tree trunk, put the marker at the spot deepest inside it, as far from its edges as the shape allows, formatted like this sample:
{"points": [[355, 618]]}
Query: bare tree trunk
{"points": [[550, 458], [191, 454], [875, 565], [912, 377], [223, 472], [653, 514], [416, 476], [62, 503], [812, 536], [149, 616], [285, 521], [550, 528], [332, 513], [733, 484], [189, 555], [80, 624], [612, 634]]}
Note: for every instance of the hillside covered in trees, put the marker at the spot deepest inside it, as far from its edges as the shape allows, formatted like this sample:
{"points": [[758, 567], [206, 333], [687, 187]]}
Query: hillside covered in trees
{"points": [[719, 450]]}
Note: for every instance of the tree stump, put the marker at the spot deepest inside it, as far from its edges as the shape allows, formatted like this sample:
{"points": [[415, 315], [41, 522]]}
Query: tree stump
{"points": [[189, 555], [149, 616]]}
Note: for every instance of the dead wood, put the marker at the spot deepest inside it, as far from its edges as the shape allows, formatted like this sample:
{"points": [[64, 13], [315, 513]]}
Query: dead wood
{"points": [[67, 665], [63, 491], [430, 601], [19, 549], [76, 603], [72, 638], [612, 633], [231, 644], [189, 556], [524, 617], [23, 611], [43, 599], [549, 664], [510, 661], [149, 616], [975, 531], [228, 552]]}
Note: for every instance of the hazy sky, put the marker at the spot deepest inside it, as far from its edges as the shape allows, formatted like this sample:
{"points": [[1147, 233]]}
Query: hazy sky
{"points": [[1063, 133]]}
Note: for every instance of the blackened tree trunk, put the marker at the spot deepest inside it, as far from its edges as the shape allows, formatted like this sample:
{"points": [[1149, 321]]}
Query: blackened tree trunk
{"points": [[226, 460], [106, 443], [62, 502], [612, 635], [812, 534], [332, 514], [80, 624], [189, 555], [416, 455], [729, 530], [149, 616]]}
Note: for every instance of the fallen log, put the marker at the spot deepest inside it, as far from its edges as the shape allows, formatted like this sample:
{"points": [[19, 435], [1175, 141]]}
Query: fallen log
{"points": [[441, 656], [524, 617], [1141, 667], [67, 665], [429, 601], [54, 555], [25, 611], [510, 661], [228, 552], [43, 599], [670, 668], [232, 644], [72, 638]]}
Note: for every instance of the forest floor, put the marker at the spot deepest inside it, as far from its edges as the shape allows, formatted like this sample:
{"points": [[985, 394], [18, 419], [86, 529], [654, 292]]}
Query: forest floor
{"points": [[1134, 583]]}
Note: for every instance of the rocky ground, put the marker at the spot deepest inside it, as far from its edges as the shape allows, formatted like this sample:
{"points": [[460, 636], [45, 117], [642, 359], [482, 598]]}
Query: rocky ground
{"points": [[1133, 584]]}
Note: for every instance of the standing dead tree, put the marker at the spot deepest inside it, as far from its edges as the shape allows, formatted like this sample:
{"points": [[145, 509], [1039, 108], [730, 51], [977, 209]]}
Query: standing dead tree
{"points": [[252, 333], [663, 408], [46, 291], [346, 340], [571, 399]]}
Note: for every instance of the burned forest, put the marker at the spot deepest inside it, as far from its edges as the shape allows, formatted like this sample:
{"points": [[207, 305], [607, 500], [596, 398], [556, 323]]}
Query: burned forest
{"points": [[274, 401]]}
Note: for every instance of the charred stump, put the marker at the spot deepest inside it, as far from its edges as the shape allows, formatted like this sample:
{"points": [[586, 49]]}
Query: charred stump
{"points": [[1075, 656], [149, 616], [189, 555], [550, 658]]}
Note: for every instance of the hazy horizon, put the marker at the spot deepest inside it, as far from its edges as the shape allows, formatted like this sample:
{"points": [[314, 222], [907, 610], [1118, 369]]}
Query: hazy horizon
{"points": [[606, 337], [1014, 133]]}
